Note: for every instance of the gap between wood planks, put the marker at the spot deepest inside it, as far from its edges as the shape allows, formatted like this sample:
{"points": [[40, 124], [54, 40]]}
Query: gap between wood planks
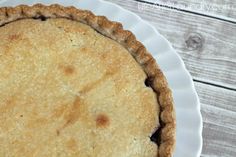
{"points": [[214, 84], [187, 11]]}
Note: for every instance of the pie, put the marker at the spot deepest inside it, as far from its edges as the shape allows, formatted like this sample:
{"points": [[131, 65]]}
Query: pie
{"points": [[73, 84]]}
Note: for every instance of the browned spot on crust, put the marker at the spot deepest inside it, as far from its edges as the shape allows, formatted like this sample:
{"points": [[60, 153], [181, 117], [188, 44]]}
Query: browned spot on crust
{"points": [[102, 120], [67, 69], [73, 113], [71, 144], [90, 86], [58, 112], [94, 84], [84, 49], [14, 37]]}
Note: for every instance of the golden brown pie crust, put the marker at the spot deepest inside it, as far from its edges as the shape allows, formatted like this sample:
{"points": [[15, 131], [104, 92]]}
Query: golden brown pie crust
{"points": [[115, 31]]}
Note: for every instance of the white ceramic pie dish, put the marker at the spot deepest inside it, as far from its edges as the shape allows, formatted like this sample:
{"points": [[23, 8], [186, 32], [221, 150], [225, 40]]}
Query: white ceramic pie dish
{"points": [[189, 120]]}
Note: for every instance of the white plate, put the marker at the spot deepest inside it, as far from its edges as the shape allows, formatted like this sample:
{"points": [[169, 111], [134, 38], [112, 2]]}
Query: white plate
{"points": [[189, 120]]}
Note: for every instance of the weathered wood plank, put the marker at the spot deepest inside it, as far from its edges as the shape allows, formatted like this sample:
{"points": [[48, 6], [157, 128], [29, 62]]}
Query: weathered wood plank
{"points": [[217, 97], [218, 109], [216, 8], [207, 46]]}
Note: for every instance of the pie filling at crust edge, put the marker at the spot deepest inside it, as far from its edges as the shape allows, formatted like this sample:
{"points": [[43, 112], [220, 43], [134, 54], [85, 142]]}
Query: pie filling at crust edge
{"points": [[164, 137]]}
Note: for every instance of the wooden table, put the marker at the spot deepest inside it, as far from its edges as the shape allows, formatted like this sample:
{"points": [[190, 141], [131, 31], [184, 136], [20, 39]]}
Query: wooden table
{"points": [[204, 34]]}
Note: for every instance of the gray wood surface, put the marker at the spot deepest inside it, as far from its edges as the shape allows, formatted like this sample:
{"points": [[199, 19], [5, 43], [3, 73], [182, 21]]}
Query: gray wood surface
{"points": [[207, 44], [224, 9]]}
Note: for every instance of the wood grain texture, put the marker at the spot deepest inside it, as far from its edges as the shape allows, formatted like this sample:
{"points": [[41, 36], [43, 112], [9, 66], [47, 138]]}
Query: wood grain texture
{"points": [[219, 115], [223, 9], [206, 45]]}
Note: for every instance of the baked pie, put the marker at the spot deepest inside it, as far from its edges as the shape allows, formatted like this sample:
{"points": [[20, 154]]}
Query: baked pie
{"points": [[73, 84]]}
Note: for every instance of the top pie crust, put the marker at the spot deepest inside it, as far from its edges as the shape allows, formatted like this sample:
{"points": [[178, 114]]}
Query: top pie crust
{"points": [[157, 99]]}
